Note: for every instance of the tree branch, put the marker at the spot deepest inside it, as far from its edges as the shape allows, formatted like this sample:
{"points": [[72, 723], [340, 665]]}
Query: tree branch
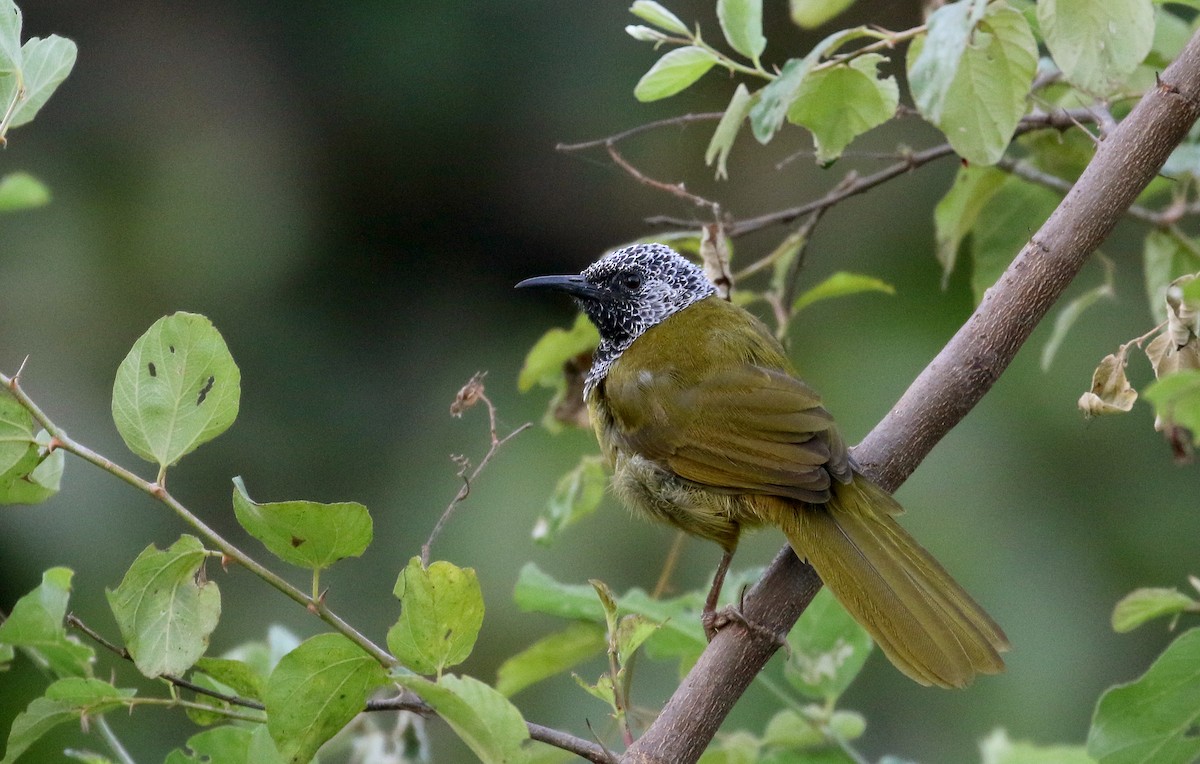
{"points": [[944, 393]]}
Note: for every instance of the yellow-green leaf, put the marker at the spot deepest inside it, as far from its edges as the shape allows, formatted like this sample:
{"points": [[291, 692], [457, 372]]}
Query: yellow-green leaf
{"points": [[674, 72]]}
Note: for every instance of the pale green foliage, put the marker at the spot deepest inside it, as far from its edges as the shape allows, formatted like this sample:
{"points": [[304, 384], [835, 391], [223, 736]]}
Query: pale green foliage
{"points": [[842, 102], [177, 389], [36, 623], [978, 96], [165, 608], [29, 72], [810, 14], [441, 612], [315, 691], [484, 719], [21, 191], [674, 72], [65, 701], [1153, 718], [1097, 45], [305, 533]]}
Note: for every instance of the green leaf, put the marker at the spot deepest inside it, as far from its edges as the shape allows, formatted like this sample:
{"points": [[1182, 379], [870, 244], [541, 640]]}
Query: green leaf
{"points": [[1152, 719], [549, 656], [777, 98], [10, 37], [577, 495], [998, 748], [481, 717], [87, 757], [177, 388], [1142, 605], [22, 191], [239, 676], [741, 21], [1097, 45], [1070, 314], [653, 13], [632, 632], [829, 648], [1015, 212], [810, 14], [727, 129], [67, 700], [544, 364], [979, 101], [16, 432], [674, 72], [841, 284], [539, 593], [315, 691], [264, 656], [933, 60], [441, 612], [842, 102], [1164, 259], [793, 728], [36, 478], [305, 533], [46, 63], [36, 623], [228, 745], [165, 608], [1176, 399], [767, 116], [956, 213]]}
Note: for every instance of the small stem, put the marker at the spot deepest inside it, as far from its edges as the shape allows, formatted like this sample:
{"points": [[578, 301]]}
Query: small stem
{"points": [[112, 741], [684, 119], [175, 703], [669, 564], [230, 551], [18, 96], [75, 622], [470, 394]]}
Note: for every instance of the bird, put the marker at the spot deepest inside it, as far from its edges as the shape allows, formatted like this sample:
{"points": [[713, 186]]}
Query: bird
{"points": [[707, 427]]}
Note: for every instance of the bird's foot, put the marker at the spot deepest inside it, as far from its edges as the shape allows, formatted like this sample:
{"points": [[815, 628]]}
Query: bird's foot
{"points": [[715, 620]]}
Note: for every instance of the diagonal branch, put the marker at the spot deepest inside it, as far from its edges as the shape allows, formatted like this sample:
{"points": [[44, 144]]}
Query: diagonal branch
{"points": [[952, 384]]}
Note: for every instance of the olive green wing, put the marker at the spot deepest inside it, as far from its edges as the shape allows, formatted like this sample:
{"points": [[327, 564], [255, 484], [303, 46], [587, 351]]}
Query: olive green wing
{"points": [[747, 429]]}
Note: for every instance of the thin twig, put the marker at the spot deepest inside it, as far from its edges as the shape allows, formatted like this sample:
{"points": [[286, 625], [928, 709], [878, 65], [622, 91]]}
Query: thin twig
{"points": [[76, 623], [115, 746], [675, 189], [1058, 120], [586, 749], [470, 394], [1027, 172], [60, 439], [683, 119]]}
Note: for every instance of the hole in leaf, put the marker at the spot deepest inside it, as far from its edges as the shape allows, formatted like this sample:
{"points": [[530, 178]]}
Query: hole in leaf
{"points": [[205, 390], [153, 371], [297, 541]]}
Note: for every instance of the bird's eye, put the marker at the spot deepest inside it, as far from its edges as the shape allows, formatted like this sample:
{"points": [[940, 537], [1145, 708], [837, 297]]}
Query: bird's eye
{"points": [[631, 281]]}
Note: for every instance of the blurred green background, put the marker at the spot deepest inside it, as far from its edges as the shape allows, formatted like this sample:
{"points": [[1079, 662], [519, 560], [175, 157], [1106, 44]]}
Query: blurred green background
{"points": [[349, 191]]}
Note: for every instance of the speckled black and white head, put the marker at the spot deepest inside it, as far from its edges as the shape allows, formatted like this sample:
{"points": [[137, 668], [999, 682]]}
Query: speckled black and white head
{"points": [[628, 291]]}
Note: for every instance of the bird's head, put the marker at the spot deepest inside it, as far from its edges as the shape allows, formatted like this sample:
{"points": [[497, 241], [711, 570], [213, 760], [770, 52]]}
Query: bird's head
{"points": [[630, 290]]}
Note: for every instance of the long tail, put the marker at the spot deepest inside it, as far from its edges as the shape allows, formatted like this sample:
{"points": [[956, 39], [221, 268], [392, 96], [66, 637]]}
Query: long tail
{"points": [[926, 624]]}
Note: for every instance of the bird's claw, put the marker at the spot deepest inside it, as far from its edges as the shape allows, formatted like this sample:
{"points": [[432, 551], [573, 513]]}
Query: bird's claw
{"points": [[715, 620]]}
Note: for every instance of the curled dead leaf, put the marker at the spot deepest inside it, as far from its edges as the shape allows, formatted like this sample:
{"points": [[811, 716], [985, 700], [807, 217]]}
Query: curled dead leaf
{"points": [[1183, 319], [1111, 392]]}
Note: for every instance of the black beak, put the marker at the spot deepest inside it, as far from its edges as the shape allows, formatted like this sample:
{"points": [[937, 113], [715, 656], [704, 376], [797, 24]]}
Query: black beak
{"points": [[576, 286]]}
